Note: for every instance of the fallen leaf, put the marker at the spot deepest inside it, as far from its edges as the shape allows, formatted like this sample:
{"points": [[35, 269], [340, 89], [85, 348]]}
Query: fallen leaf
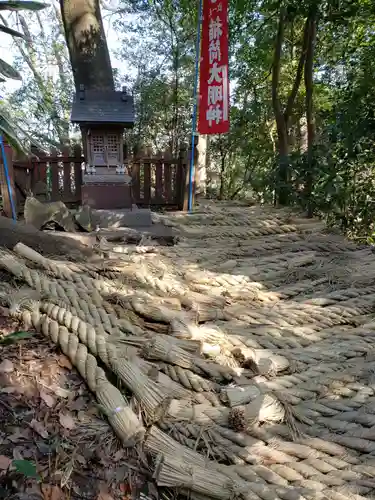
{"points": [[152, 491], [48, 399], [19, 435], [67, 474], [26, 468], [4, 311], [32, 490], [64, 362], [67, 421], [125, 488], [39, 428], [80, 459], [27, 453], [6, 366], [17, 455], [4, 462], [104, 496], [14, 337], [60, 392], [79, 404], [118, 455], [51, 492], [9, 390]]}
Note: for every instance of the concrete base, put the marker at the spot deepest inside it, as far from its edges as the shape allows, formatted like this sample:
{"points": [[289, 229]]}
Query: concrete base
{"points": [[135, 218], [107, 196]]}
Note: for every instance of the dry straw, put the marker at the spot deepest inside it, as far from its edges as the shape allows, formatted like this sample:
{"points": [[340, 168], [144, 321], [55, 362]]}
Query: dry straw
{"points": [[247, 347]]}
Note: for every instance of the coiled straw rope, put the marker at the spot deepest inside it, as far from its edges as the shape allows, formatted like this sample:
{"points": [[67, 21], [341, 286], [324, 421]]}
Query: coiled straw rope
{"points": [[246, 346]]}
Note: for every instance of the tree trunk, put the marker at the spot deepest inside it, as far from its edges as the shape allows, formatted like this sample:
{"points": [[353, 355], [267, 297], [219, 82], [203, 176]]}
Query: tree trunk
{"points": [[310, 120], [299, 73], [201, 166], [88, 50], [282, 118], [222, 173], [281, 126], [12, 233], [175, 124]]}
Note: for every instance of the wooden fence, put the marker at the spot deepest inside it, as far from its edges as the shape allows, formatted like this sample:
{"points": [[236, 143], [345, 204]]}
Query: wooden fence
{"points": [[158, 181], [55, 177]]}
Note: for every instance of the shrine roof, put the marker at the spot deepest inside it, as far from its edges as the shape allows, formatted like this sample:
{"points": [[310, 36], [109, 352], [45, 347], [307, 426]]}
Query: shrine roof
{"points": [[92, 107]]}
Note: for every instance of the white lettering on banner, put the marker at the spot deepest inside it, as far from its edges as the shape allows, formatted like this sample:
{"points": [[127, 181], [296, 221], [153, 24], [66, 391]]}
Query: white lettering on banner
{"points": [[215, 29], [215, 71], [214, 51], [214, 114], [224, 72], [215, 94], [216, 111], [219, 8]]}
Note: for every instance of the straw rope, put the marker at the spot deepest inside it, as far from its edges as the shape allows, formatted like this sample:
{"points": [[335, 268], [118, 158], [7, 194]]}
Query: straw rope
{"points": [[115, 407], [123, 362], [247, 347]]}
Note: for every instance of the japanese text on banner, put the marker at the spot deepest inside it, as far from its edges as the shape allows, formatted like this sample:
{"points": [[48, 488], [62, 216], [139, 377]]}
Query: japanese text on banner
{"points": [[214, 78]]}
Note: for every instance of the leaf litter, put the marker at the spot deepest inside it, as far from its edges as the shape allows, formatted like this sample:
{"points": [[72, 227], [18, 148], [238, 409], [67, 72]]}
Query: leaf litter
{"points": [[5, 462], [54, 443], [6, 366]]}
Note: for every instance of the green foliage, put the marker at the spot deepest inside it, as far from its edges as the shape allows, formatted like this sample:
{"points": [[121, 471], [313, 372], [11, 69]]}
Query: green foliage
{"points": [[7, 128], [343, 156], [15, 337], [26, 468], [42, 103], [158, 43]]}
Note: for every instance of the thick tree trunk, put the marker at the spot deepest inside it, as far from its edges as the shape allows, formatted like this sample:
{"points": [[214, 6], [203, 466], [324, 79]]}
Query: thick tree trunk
{"points": [[282, 118], [281, 125], [87, 44], [310, 119]]}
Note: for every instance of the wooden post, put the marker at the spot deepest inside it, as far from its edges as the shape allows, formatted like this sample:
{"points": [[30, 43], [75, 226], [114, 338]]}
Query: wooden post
{"points": [[196, 169], [147, 182], [187, 178], [125, 151], [6, 196], [77, 153], [67, 173], [39, 172], [159, 178], [182, 180], [38, 175], [167, 182], [54, 166]]}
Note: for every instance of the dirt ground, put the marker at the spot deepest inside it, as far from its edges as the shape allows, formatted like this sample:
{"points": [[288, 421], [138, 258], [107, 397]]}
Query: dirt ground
{"points": [[54, 443]]}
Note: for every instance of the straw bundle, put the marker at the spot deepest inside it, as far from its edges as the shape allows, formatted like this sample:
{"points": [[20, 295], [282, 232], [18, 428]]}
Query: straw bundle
{"points": [[160, 349], [263, 408]]}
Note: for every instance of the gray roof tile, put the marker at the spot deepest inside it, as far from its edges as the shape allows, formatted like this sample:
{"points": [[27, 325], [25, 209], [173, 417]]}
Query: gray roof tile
{"points": [[103, 106]]}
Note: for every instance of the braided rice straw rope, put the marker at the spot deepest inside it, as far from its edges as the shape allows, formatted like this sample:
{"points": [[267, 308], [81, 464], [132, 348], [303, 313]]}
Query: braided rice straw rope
{"points": [[248, 347], [119, 414]]}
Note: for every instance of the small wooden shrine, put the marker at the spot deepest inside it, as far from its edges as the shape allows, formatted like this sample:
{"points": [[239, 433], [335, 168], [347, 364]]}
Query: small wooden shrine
{"points": [[103, 115]]}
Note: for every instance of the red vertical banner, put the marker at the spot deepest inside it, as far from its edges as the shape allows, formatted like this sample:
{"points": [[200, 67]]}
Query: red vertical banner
{"points": [[214, 76]]}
